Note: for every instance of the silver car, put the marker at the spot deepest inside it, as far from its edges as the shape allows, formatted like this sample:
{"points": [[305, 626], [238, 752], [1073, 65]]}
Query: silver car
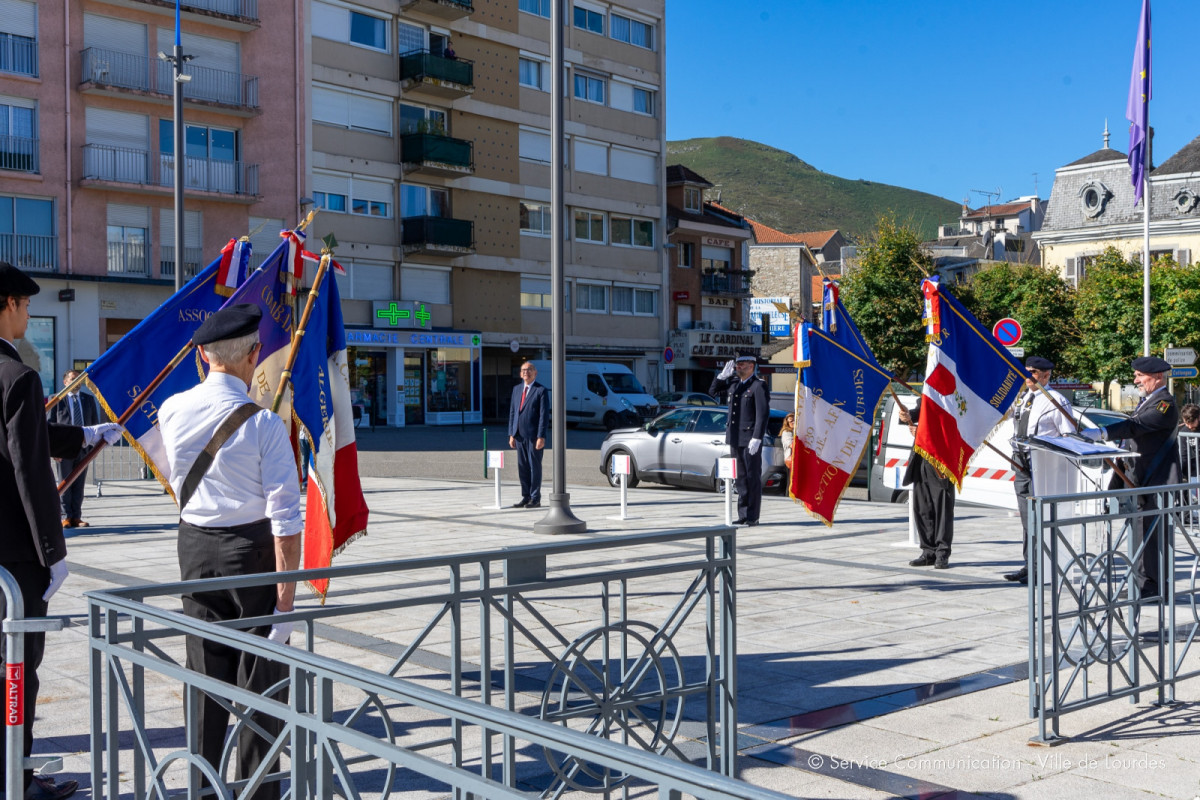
{"points": [[681, 448]]}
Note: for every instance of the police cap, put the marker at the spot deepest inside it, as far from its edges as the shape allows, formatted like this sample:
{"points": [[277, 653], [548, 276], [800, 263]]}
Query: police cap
{"points": [[229, 323], [746, 355], [1150, 364], [14, 283], [1037, 362]]}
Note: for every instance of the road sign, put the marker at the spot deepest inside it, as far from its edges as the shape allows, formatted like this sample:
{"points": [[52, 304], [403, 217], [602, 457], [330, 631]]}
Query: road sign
{"points": [[668, 355], [1180, 356], [1007, 331], [1017, 352], [1185, 372], [668, 366]]}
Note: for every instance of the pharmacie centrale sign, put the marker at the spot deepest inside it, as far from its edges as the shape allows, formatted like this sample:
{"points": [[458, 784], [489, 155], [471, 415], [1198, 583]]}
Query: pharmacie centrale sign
{"points": [[400, 314]]}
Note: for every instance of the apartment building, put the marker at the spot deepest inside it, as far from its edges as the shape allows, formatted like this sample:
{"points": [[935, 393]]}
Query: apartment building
{"points": [[87, 157], [429, 154]]}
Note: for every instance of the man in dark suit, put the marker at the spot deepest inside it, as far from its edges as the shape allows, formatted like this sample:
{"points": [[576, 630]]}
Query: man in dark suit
{"points": [[527, 433], [933, 502], [32, 547], [749, 409], [1152, 430], [76, 409]]}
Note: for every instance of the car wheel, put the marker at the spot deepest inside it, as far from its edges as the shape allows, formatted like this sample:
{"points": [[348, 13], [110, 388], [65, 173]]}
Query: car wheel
{"points": [[631, 480], [610, 421]]}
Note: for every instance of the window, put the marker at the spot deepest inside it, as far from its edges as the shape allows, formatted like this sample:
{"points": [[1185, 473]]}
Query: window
{"points": [[635, 301], [409, 38], [330, 201], [692, 199], [535, 293], [588, 20], [18, 37], [539, 7], [589, 226], [18, 134], [128, 228], [622, 300], [591, 297], [340, 24], [629, 97], [687, 254], [424, 201], [27, 237], [632, 232], [535, 219], [419, 119], [643, 101], [639, 166], [356, 194], [350, 109], [211, 156], [367, 280], [532, 73], [368, 31], [632, 31], [590, 88]]}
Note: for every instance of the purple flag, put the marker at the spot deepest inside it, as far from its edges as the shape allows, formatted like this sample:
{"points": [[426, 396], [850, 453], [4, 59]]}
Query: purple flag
{"points": [[1137, 109]]}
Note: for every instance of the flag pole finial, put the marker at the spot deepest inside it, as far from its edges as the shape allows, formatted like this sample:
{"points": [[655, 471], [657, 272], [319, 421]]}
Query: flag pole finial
{"points": [[1106, 133]]}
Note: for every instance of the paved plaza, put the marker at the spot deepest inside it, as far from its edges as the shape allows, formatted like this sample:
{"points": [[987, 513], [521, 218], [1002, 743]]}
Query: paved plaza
{"points": [[859, 676]]}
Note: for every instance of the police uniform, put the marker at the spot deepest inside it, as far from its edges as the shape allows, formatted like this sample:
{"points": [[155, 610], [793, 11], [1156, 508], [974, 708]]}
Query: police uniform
{"points": [[749, 409], [933, 506], [249, 495]]}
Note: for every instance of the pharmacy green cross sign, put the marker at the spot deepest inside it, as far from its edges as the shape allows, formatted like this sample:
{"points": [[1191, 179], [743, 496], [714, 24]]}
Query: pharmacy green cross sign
{"points": [[400, 314]]}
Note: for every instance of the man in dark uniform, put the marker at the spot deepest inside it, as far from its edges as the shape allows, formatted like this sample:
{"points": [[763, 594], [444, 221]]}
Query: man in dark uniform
{"points": [[527, 433], [76, 408], [749, 408], [1152, 431], [933, 502], [32, 547]]}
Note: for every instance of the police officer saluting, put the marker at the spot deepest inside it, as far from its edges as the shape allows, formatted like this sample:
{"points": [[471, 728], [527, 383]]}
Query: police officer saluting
{"points": [[749, 409]]}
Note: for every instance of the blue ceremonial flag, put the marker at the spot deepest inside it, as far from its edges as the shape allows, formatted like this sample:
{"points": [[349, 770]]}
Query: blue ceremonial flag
{"points": [[1137, 107]]}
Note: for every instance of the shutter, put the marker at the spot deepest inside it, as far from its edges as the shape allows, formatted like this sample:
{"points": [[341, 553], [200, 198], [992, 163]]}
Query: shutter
{"points": [[119, 35], [330, 105], [193, 236], [428, 285], [371, 113], [264, 237], [633, 165], [129, 216], [378, 191], [591, 158], [19, 18], [21, 102], [621, 96], [1183, 256], [330, 22], [534, 145], [331, 184], [118, 129], [1069, 272], [370, 280], [207, 52]]}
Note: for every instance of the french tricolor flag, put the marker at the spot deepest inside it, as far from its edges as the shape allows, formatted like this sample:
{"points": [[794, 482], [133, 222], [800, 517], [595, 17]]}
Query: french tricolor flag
{"points": [[233, 266], [293, 261], [971, 382]]}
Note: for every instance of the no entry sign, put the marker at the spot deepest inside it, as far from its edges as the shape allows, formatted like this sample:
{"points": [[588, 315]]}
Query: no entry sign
{"points": [[1007, 331]]}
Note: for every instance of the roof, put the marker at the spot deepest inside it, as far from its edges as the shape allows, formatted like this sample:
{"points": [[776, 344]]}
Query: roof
{"points": [[1104, 154], [678, 173], [765, 234], [727, 219], [1186, 160], [999, 210], [816, 239]]}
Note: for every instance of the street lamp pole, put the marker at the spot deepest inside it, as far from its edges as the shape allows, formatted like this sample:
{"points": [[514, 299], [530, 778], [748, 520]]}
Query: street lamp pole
{"points": [[178, 59]]}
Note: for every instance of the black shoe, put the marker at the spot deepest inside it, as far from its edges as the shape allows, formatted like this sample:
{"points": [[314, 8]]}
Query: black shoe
{"points": [[534, 504], [44, 788], [1020, 576], [1149, 589], [942, 563], [750, 523], [923, 561], [524, 502]]}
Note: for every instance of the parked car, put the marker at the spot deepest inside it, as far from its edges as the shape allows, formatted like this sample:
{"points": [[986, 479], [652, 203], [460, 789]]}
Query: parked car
{"points": [[681, 448], [672, 400]]}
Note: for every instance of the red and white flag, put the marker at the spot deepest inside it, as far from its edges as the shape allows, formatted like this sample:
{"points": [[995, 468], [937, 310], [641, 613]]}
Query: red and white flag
{"points": [[293, 261]]}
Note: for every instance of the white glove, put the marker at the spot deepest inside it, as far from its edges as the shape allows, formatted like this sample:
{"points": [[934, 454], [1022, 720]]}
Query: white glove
{"points": [[58, 574], [1094, 434], [281, 631], [110, 432], [754, 445], [727, 371]]}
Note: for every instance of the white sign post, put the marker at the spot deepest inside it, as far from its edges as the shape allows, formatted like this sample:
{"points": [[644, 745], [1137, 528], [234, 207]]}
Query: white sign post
{"points": [[727, 470], [621, 466], [495, 462]]}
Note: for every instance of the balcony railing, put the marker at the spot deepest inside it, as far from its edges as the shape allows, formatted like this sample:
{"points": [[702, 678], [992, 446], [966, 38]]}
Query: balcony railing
{"points": [[726, 283], [29, 252], [424, 65], [19, 153], [128, 258], [433, 150], [18, 54], [119, 164], [246, 9], [128, 71], [191, 261], [124, 165], [434, 234], [446, 9]]}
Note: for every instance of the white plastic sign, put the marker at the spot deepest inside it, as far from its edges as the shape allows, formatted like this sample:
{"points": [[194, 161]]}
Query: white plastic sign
{"points": [[620, 465], [495, 459], [727, 468]]}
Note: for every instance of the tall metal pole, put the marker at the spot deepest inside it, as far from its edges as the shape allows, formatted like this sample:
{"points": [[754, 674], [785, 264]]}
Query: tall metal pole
{"points": [[559, 519], [177, 97], [1146, 237]]}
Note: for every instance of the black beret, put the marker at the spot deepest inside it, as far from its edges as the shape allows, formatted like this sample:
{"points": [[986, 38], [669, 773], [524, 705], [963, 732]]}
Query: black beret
{"points": [[1037, 362], [1151, 364], [746, 355], [14, 283], [228, 323]]}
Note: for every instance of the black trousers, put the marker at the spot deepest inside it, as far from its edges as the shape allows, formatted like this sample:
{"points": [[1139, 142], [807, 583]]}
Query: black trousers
{"points": [[33, 579], [72, 498], [529, 469], [223, 553], [749, 483], [1023, 486], [1147, 569], [933, 507]]}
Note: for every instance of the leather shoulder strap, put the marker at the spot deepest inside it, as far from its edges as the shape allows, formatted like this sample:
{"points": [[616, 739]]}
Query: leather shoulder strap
{"points": [[203, 461]]}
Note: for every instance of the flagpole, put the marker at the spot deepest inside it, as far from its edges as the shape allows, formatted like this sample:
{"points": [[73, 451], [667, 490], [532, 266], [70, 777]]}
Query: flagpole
{"points": [[286, 376], [1146, 238]]}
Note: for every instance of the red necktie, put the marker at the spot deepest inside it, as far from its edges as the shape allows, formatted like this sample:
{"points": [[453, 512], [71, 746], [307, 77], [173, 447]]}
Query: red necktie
{"points": [[524, 392]]}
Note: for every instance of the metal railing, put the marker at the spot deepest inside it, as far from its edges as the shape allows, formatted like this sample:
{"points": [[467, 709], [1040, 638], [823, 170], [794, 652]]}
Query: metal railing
{"points": [[30, 251], [726, 283], [121, 468], [119, 164], [246, 9], [419, 64], [18, 54], [422, 147], [438, 232], [527, 659], [193, 261], [131, 71], [125, 165], [1094, 637], [114, 68], [19, 153], [128, 258]]}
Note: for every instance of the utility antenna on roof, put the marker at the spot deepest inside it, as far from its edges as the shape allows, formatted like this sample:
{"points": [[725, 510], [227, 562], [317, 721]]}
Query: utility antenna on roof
{"points": [[988, 195]]}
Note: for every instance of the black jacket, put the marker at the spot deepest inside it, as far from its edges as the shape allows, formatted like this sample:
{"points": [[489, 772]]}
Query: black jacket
{"points": [[61, 413], [1152, 427], [32, 528], [749, 408]]}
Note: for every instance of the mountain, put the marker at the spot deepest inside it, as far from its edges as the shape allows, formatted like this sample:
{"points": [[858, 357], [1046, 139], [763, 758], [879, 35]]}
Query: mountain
{"points": [[778, 189]]}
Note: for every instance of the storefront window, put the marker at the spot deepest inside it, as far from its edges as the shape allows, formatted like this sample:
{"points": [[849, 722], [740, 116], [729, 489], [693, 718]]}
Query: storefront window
{"points": [[37, 351], [368, 385], [449, 374]]}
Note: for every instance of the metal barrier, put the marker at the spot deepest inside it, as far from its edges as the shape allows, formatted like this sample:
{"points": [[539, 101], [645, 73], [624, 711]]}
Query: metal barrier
{"points": [[622, 675], [122, 465], [1093, 636], [16, 625]]}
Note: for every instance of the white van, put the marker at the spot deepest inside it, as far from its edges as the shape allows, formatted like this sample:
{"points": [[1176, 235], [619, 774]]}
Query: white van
{"points": [[602, 394]]}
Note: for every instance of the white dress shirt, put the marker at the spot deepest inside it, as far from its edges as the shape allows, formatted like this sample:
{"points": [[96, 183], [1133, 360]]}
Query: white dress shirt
{"points": [[1044, 417], [253, 475]]}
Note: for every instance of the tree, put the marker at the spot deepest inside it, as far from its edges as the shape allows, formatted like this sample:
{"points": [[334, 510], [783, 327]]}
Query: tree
{"points": [[1034, 296], [883, 295]]}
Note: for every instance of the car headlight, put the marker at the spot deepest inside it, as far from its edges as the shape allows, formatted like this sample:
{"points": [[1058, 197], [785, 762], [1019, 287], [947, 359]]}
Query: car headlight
{"points": [[626, 403]]}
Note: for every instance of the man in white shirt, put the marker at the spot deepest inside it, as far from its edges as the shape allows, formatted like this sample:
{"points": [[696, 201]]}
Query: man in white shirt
{"points": [[239, 516]]}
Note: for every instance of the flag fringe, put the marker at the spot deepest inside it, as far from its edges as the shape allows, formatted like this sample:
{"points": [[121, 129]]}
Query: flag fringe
{"points": [[942, 469]]}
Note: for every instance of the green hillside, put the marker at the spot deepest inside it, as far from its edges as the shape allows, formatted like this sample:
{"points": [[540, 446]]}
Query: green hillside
{"points": [[780, 190]]}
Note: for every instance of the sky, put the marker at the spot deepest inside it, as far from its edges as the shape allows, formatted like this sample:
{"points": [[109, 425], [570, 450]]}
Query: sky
{"points": [[942, 97]]}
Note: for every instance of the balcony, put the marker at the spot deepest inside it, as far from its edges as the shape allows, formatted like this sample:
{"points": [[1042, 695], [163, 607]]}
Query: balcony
{"points": [[240, 14], [140, 167], [728, 283], [128, 258], [29, 252], [19, 153], [444, 9], [434, 154], [192, 261], [18, 54], [110, 69], [423, 72], [437, 236]]}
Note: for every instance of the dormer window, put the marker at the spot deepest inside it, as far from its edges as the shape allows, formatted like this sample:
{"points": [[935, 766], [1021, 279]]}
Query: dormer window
{"points": [[692, 199], [1093, 197]]}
